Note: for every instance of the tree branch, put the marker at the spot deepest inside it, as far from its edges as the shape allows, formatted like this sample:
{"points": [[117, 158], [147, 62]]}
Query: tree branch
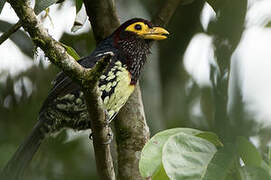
{"points": [[132, 131], [131, 119], [166, 12], [87, 78], [103, 17], [132, 134], [99, 128], [56, 53], [12, 30]]}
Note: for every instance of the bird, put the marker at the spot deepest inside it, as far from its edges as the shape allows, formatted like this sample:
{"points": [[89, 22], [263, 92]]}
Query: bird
{"points": [[65, 106]]}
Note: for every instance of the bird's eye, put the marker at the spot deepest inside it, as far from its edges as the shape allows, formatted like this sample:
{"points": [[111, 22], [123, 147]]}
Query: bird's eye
{"points": [[138, 27]]}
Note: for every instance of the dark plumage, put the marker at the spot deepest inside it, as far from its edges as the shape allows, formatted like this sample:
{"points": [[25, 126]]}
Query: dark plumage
{"points": [[65, 105]]}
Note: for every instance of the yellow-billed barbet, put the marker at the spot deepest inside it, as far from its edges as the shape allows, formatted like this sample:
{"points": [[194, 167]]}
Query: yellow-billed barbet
{"points": [[65, 105]]}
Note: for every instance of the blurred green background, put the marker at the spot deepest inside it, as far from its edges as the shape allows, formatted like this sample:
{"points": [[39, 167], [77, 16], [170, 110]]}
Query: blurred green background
{"points": [[187, 81]]}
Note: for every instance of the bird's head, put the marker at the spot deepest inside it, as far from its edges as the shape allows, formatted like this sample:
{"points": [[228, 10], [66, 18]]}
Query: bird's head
{"points": [[140, 29], [132, 40]]}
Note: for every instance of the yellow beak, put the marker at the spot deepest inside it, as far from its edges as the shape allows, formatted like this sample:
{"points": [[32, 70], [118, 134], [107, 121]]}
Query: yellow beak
{"points": [[156, 33]]}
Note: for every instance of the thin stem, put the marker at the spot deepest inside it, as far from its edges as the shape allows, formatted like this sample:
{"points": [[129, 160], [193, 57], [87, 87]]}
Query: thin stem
{"points": [[8, 33]]}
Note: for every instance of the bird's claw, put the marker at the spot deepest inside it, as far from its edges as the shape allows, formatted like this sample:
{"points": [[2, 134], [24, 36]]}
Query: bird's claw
{"points": [[110, 136]]}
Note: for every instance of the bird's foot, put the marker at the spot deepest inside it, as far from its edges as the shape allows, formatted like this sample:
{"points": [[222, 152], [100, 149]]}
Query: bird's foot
{"points": [[110, 136]]}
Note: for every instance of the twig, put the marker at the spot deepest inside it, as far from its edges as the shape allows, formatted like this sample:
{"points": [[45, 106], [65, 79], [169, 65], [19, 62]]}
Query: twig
{"points": [[56, 53], [8, 33], [87, 78]]}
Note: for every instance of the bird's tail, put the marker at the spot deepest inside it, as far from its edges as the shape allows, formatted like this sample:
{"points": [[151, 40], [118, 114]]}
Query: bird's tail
{"points": [[16, 166]]}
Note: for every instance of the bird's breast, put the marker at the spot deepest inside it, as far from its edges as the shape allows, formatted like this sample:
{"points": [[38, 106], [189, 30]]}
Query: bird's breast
{"points": [[115, 86]]}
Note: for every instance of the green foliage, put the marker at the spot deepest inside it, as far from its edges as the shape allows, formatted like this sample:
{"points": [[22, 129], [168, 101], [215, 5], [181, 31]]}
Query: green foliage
{"points": [[179, 152], [212, 137], [254, 173], [187, 157], [151, 157], [184, 153], [168, 151], [2, 3], [71, 52], [78, 5], [221, 163], [268, 25], [248, 152], [42, 5]]}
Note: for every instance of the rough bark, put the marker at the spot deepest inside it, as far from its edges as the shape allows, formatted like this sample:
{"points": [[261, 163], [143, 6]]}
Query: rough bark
{"points": [[103, 17], [132, 133], [131, 128], [131, 119]]}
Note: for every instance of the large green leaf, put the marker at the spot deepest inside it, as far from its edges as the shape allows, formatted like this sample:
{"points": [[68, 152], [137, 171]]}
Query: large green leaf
{"points": [[42, 5], [187, 156], [78, 5], [248, 152], [151, 157], [150, 163], [254, 173], [211, 137], [2, 3], [221, 163], [160, 174]]}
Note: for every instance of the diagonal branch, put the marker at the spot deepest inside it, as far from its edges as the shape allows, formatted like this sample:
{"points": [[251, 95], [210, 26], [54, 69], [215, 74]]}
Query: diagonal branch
{"points": [[54, 50], [87, 78], [12, 30]]}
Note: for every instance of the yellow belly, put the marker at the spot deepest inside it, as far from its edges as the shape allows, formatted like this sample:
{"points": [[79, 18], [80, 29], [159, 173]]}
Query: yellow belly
{"points": [[122, 91]]}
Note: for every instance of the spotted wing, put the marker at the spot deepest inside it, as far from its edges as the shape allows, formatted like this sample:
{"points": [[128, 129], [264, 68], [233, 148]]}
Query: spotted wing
{"points": [[64, 85]]}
